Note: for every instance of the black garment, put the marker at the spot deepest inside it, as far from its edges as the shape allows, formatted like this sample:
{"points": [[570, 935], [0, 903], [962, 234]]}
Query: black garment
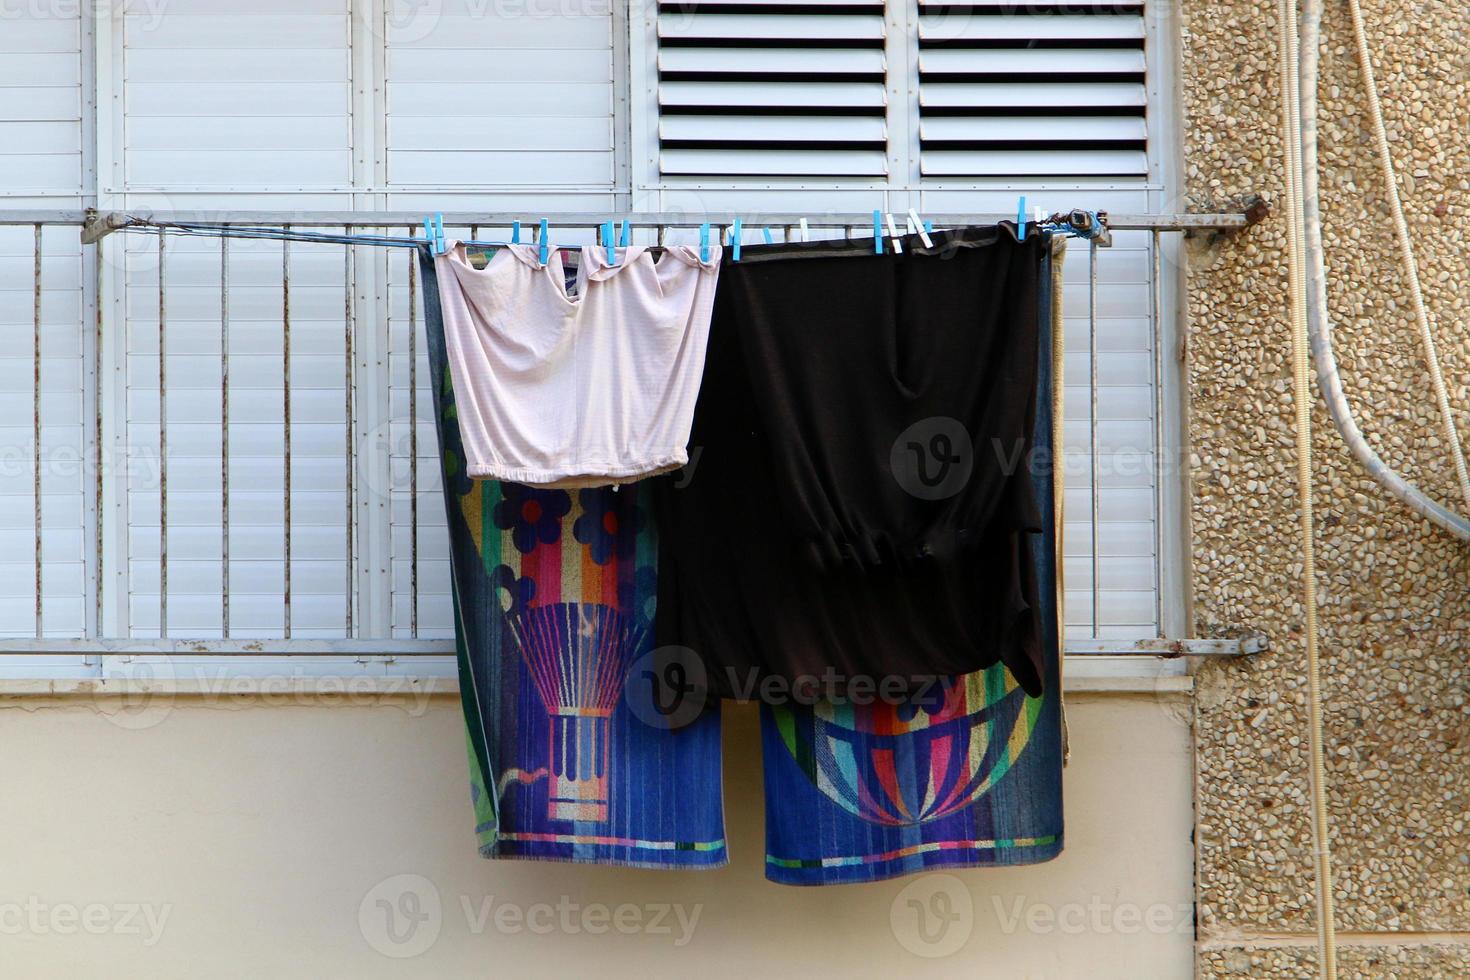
{"points": [[833, 520]]}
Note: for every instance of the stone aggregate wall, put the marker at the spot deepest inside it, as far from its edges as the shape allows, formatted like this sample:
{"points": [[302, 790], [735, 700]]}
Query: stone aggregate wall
{"points": [[1395, 613]]}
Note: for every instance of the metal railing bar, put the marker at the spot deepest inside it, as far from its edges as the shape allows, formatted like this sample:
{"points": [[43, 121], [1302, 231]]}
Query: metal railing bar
{"points": [[1156, 309], [36, 461], [111, 221], [286, 431], [44, 216], [1214, 647], [162, 434], [1092, 387], [94, 392], [413, 444], [224, 432], [348, 286]]}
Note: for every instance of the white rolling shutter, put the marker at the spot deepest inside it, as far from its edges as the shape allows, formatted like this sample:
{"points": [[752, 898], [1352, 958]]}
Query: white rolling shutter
{"points": [[772, 88], [501, 93], [1032, 90], [237, 93]]}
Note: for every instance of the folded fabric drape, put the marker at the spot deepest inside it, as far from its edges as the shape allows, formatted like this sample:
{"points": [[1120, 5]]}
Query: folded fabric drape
{"points": [[860, 502], [554, 597], [967, 773]]}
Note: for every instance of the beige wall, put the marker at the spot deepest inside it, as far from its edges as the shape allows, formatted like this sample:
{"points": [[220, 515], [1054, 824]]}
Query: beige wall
{"points": [[254, 834], [1394, 591]]}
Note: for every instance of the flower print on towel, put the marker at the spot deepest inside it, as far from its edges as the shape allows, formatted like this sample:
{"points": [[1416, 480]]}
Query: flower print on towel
{"points": [[532, 516], [609, 524]]}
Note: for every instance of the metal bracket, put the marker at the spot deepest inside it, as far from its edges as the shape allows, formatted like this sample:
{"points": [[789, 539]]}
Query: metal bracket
{"points": [[97, 225], [1092, 225], [1256, 210]]}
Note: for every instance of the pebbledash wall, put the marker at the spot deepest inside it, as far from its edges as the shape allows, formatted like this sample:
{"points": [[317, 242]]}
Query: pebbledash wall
{"points": [[1394, 590]]}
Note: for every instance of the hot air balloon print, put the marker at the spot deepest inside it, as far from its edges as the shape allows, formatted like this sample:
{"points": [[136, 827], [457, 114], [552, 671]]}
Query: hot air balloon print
{"points": [[905, 765], [578, 655]]}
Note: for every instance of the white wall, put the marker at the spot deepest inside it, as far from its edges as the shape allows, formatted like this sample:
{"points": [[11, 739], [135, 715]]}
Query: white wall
{"points": [[258, 831]]}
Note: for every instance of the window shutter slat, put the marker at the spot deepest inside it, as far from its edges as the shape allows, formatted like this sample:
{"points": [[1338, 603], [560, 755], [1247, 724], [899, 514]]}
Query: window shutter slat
{"points": [[789, 129], [1048, 95], [768, 26], [1004, 163], [772, 61], [775, 163], [974, 129], [961, 61], [1021, 27], [756, 95]]}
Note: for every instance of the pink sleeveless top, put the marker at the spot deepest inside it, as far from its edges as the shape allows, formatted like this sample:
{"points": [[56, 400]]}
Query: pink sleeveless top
{"points": [[576, 387]]}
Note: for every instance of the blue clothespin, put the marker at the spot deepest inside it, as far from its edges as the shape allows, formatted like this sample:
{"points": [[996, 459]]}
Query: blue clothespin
{"points": [[766, 232], [545, 242], [623, 241], [439, 234], [877, 232], [515, 232], [1021, 219], [429, 236], [704, 242], [735, 241], [607, 237]]}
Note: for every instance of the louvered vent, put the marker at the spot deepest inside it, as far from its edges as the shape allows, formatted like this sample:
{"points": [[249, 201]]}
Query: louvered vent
{"points": [[768, 88], [1031, 89]]}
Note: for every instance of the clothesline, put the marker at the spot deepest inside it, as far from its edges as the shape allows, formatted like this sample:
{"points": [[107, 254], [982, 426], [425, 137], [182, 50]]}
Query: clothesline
{"points": [[1077, 222]]}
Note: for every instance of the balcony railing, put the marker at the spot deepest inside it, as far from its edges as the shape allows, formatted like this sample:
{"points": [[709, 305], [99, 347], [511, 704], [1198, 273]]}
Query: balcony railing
{"points": [[222, 446]]}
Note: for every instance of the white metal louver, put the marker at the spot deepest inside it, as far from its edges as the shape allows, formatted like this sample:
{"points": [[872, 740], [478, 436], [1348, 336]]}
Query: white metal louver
{"points": [[772, 88], [1032, 89]]}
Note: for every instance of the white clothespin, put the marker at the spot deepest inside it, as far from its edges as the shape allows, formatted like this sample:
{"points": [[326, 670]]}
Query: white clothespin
{"points": [[893, 233], [917, 226], [806, 234]]}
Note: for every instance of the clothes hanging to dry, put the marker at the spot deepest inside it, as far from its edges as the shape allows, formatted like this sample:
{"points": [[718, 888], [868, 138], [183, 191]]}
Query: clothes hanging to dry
{"points": [[585, 379], [860, 506], [575, 756]]}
